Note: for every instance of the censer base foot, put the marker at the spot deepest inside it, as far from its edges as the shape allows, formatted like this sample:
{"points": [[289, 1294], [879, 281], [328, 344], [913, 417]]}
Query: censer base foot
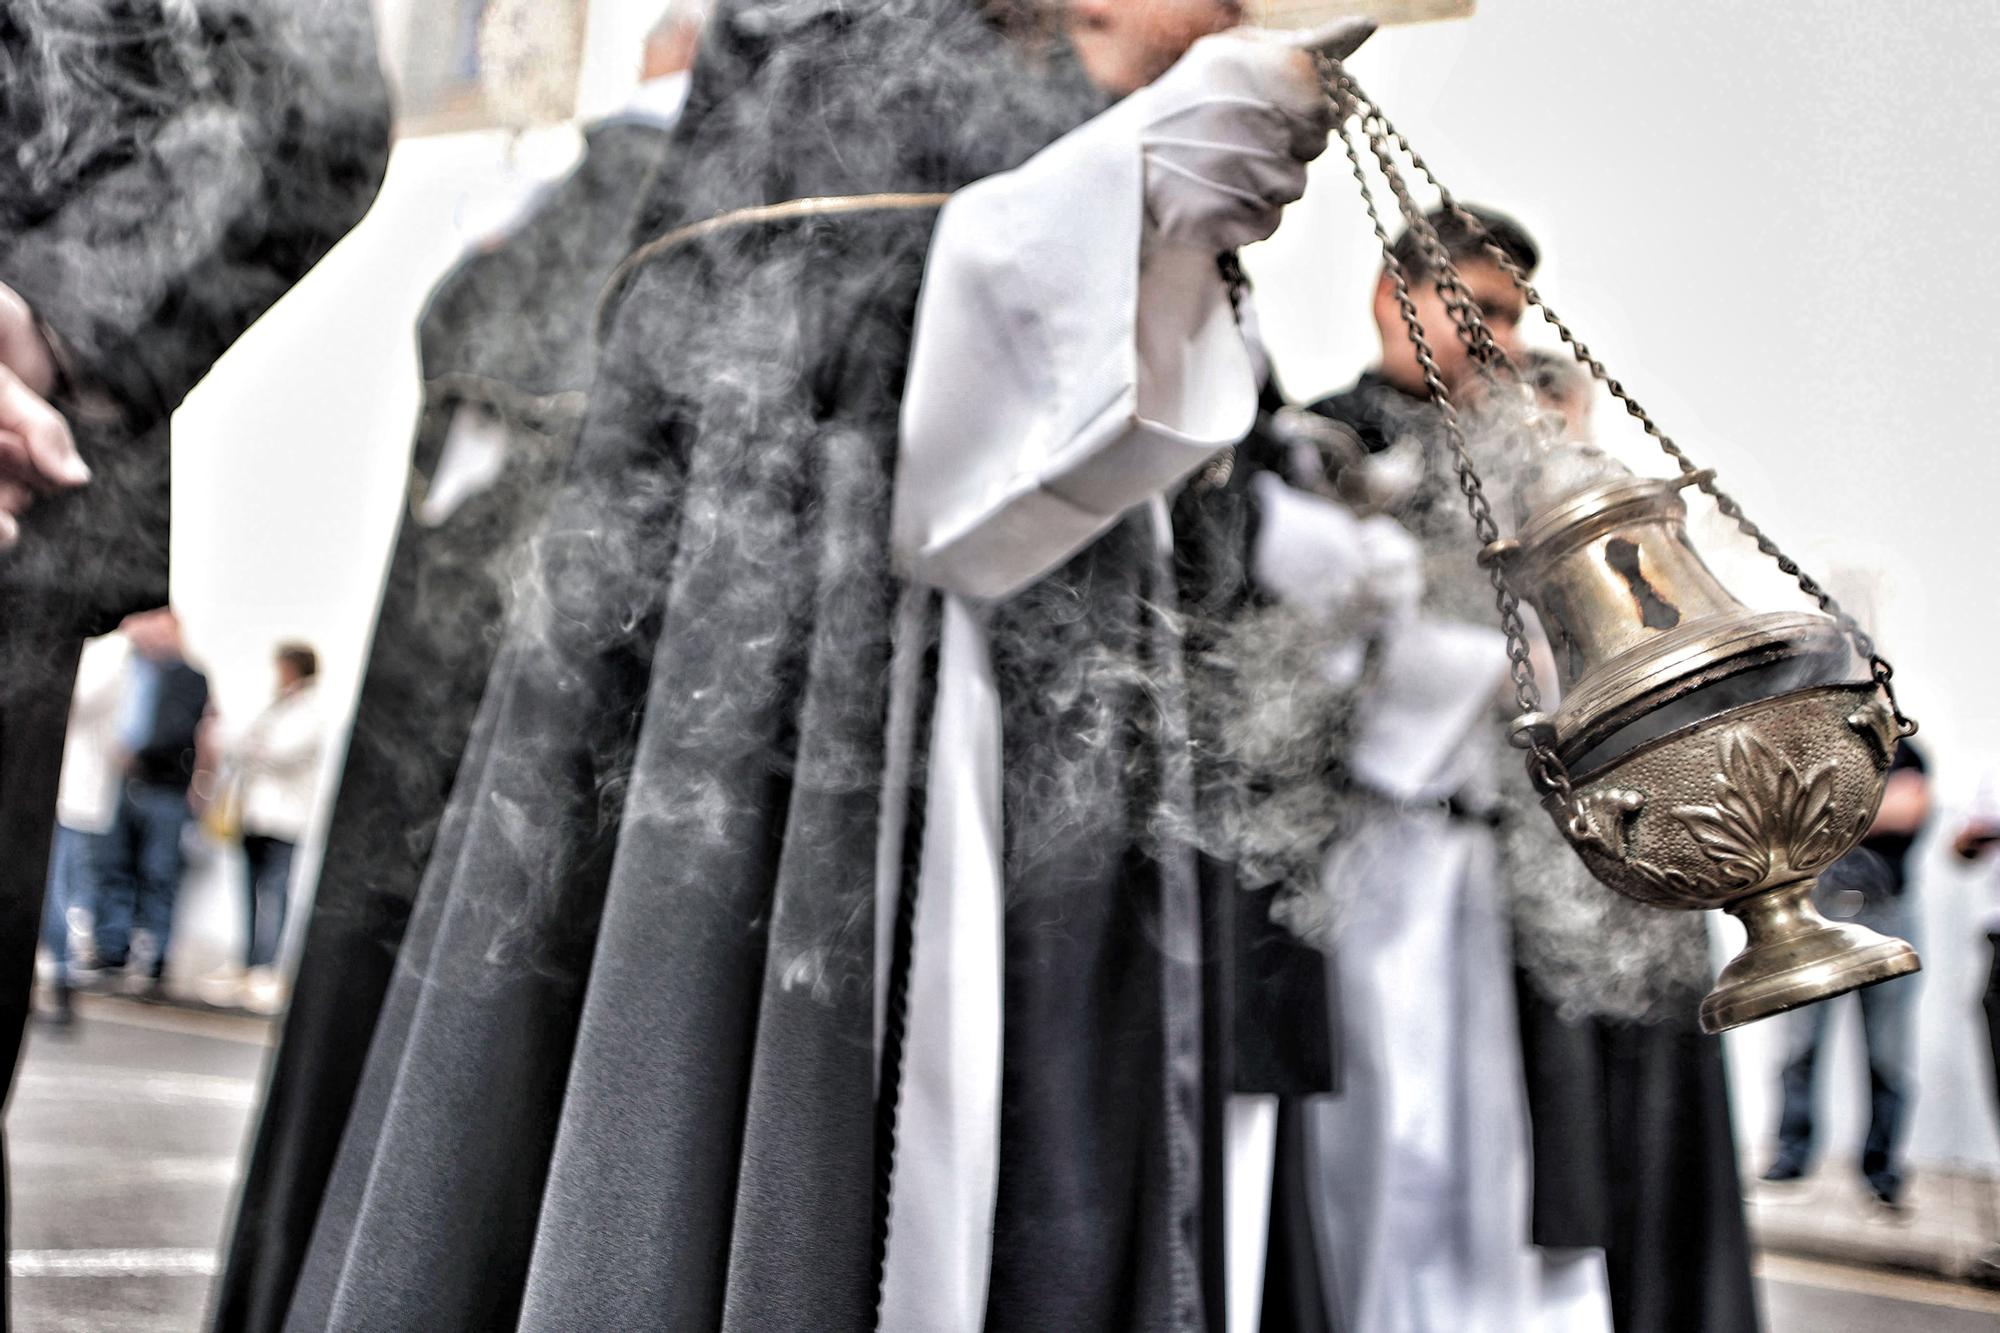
{"points": [[1796, 956]]}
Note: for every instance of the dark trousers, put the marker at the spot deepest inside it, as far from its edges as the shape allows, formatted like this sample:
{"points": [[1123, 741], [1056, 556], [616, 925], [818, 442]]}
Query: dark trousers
{"points": [[139, 875], [269, 882], [1886, 1012], [1991, 1004]]}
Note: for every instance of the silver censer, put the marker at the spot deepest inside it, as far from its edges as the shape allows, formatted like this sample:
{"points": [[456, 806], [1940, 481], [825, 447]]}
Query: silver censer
{"points": [[1704, 755], [1718, 757]]}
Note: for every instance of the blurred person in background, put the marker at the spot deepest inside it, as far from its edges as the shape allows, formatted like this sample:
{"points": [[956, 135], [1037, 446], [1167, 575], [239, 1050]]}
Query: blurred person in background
{"points": [[162, 705], [86, 805], [272, 771], [507, 351], [1871, 885]]}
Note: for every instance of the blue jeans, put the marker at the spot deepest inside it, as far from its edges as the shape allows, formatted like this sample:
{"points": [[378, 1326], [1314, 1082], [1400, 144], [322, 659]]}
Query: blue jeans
{"points": [[72, 883], [268, 866], [1886, 1009], [139, 874]]}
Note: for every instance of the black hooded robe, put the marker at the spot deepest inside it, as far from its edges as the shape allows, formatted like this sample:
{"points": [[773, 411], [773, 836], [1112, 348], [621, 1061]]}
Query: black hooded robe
{"points": [[624, 1076], [509, 333]]}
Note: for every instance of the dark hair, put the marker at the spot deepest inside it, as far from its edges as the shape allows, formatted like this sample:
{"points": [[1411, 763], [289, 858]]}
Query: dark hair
{"points": [[300, 658], [1464, 242]]}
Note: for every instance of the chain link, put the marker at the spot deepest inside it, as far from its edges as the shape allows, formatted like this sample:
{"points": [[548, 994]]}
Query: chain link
{"points": [[1348, 93], [1545, 766], [1354, 108]]}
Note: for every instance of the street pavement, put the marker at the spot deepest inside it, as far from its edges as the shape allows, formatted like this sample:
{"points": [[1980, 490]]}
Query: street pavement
{"points": [[125, 1133], [123, 1138]]}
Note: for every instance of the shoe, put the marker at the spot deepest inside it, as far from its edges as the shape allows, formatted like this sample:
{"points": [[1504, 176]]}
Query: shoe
{"points": [[1783, 1172], [223, 989], [266, 991], [63, 1014], [1889, 1198], [101, 980]]}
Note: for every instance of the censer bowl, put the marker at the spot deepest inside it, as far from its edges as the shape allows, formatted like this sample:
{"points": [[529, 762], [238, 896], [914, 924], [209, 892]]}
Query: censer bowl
{"points": [[1742, 811]]}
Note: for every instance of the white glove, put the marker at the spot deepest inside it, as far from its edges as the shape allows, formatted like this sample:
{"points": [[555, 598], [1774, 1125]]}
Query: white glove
{"points": [[1317, 556], [1227, 132]]}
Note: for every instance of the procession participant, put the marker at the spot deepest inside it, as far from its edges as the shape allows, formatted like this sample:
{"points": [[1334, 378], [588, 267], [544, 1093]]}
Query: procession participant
{"points": [[626, 1072], [169, 170], [506, 353], [1633, 1154]]}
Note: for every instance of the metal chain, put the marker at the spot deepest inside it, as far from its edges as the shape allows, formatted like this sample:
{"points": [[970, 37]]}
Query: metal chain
{"points": [[1879, 668], [1545, 766]]}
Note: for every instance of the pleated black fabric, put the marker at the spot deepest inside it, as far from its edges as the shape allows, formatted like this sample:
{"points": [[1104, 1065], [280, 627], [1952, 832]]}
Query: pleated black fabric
{"points": [[1097, 1221], [1635, 1153], [508, 333], [624, 1075]]}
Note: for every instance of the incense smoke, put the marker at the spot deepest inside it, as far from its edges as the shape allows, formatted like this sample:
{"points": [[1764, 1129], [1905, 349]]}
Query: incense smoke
{"points": [[135, 204], [743, 420]]}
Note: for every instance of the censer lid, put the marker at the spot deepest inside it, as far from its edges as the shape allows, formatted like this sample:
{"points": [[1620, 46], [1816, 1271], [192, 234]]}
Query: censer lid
{"points": [[1589, 514], [1646, 636], [1578, 491]]}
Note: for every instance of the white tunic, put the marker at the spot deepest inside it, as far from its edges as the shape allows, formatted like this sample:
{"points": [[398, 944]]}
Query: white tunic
{"points": [[1423, 1198]]}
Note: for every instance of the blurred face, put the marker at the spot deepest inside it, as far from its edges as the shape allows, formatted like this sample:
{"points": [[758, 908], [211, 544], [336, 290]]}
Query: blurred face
{"points": [[670, 50], [1500, 305], [1126, 44], [154, 634]]}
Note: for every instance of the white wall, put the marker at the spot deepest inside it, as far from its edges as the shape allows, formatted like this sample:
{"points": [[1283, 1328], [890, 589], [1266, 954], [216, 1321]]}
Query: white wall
{"points": [[1776, 222]]}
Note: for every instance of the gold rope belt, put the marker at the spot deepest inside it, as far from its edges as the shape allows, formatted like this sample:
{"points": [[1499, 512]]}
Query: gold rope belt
{"points": [[818, 206]]}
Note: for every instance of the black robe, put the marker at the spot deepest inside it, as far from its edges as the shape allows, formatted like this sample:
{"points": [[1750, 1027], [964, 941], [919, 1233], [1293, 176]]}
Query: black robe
{"points": [[1633, 1149], [625, 1072], [166, 173], [508, 332]]}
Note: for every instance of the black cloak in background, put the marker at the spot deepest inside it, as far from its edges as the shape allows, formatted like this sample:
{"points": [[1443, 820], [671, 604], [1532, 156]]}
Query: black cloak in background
{"points": [[508, 333], [625, 1072]]}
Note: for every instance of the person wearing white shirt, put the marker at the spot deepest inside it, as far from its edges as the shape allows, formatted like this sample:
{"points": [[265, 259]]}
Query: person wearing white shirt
{"points": [[86, 804], [276, 765]]}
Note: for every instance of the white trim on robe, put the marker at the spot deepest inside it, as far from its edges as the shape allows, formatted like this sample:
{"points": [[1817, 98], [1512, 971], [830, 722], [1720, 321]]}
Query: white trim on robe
{"points": [[948, 1121], [1065, 370]]}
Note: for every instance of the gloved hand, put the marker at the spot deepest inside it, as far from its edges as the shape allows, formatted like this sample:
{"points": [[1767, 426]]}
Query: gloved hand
{"points": [[1229, 129]]}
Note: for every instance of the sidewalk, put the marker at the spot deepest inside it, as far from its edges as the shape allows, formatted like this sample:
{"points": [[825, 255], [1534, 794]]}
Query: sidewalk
{"points": [[1947, 1222]]}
